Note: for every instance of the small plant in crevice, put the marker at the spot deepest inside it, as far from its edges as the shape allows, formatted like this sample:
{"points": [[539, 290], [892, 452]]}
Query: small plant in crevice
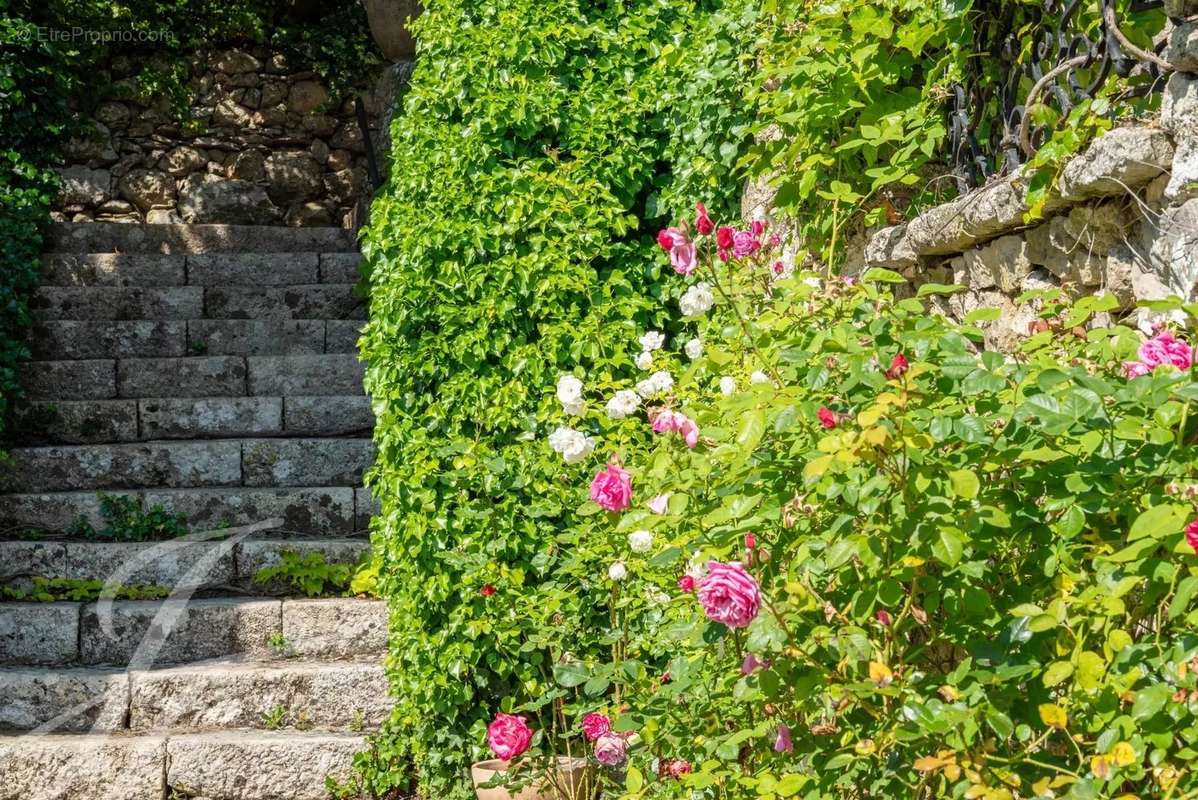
{"points": [[275, 717], [49, 590], [313, 576], [126, 519], [280, 645]]}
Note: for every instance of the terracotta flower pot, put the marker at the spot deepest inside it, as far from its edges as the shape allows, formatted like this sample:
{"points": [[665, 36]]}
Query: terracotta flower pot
{"points": [[573, 781]]}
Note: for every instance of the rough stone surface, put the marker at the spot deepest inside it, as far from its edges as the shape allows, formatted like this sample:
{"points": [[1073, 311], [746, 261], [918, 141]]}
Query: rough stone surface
{"points": [[39, 633], [50, 512], [217, 376], [96, 767], [335, 628], [68, 339], [175, 563], [75, 421], [306, 462], [107, 237], [321, 301], [1182, 51], [256, 555], [1179, 106], [1074, 246], [111, 269], [1118, 162], [207, 198], [341, 336], [148, 188], [262, 766], [117, 303], [1170, 245], [253, 269], [366, 506], [327, 416], [123, 466], [256, 337], [80, 185], [292, 176], [202, 629], [305, 375], [327, 696], [211, 416], [1002, 262], [1183, 180], [324, 510], [31, 558], [68, 380], [75, 699], [340, 268]]}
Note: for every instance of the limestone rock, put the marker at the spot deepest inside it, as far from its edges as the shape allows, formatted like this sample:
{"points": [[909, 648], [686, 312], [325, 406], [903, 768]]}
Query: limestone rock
{"points": [[1179, 106], [94, 700], [1074, 246], [230, 113], [94, 145], [335, 628], [1170, 246], [235, 61], [208, 199], [345, 186], [39, 633], [1002, 262], [306, 96], [292, 176], [162, 216], [1182, 51], [1180, 9], [248, 165], [182, 160], [273, 93], [113, 115], [147, 188], [308, 215], [82, 186], [339, 160], [98, 767], [1183, 182], [1117, 162]]}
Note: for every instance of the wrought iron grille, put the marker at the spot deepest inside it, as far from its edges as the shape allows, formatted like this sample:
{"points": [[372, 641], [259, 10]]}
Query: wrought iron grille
{"points": [[1058, 52]]}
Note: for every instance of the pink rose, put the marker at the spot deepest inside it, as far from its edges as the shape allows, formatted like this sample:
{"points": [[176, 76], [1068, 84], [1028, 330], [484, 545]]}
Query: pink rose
{"points": [[757, 227], [595, 725], [1192, 535], [782, 743], [665, 240], [612, 488], [663, 421], [1165, 349], [686, 583], [827, 417], [682, 258], [659, 504], [751, 664], [509, 736], [729, 594], [687, 429], [667, 421], [703, 223], [677, 768], [744, 244], [1134, 369], [611, 749]]}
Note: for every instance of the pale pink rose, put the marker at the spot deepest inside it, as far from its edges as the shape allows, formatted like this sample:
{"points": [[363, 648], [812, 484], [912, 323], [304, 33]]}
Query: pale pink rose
{"points": [[1134, 369], [677, 768], [751, 664], [729, 594], [1165, 349], [682, 258], [595, 725], [782, 743], [663, 421], [509, 736], [659, 504], [687, 429], [612, 488], [744, 243], [611, 749]]}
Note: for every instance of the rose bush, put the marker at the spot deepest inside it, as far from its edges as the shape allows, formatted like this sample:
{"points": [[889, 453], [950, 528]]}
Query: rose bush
{"points": [[893, 564]]}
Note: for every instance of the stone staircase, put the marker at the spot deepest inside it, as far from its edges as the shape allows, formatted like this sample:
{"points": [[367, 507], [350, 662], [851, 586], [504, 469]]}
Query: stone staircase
{"points": [[210, 370]]}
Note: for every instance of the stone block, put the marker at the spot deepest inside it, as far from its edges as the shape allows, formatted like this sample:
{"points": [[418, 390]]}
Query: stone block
{"points": [[253, 269], [56, 511], [262, 766], [170, 634], [340, 268], [68, 339], [341, 335], [319, 301], [306, 462], [1002, 262], [326, 696], [367, 506], [1170, 247], [206, 198], [254, 337], [117, 303], [39, 633], [20, 558], [335, 628], [95, 767], [1182, 51], [175, 563], [1118, 162], [305, 375], [80, 186], [111, 237], [68, 380], [1179, 106], [328, 416], [303, 510], [111, 269], [219, 376], [147, 188], [79, 699], [1183, 178], [1074, 246], [211, 416], [76, 421], [112, 466]]}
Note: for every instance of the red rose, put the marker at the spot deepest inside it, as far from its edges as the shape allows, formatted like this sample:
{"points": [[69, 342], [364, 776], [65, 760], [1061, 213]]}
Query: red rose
{"points": [[750, 541], [883, 617], [487, 590], [703, 223], [686, 583], [723, 237], [665, 240], [898, 365], [1192, 535], [827, 417]]}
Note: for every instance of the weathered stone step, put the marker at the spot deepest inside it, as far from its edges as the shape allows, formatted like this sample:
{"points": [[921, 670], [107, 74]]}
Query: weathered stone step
{"points": [[101, 237], [324, 510], [171, 563], [72, 339], [224, 765], [306, 462], [257, 337], [307, 301], [68, 380], [319, 695], [212, 269], [117, 303], [123, 466], [66, 634], [330, 374], [75, 422], [112, 269]]}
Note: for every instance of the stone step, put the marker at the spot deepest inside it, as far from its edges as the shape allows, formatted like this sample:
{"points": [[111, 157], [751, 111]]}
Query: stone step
{"points": [[75, 422], [124, 466], [212, 376], [68, 380], [330, 374], [305, 462], [165, 632], [222, 765], [102, 237], [117, 303], [287, 694], [174, 563], [323, 510], [212, 269], [258, 337], [113, 269], [204, 417], [72, 339], [310, 301], [253, 269]]}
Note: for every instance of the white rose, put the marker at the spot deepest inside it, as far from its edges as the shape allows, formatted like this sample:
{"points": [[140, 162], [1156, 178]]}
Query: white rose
{"points": [[559, 438], [644, 360], [617, 571], [697, 301], [694, 348], [569, 391], [759, 377], [727, 385], [656, 596], [653, 340], [572, 445], [622, 404], [640, 541], [656, 383]]}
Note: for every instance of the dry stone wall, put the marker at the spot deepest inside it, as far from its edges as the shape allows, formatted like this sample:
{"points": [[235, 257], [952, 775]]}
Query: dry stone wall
{"points": [[1123, 219], [263, 143]]}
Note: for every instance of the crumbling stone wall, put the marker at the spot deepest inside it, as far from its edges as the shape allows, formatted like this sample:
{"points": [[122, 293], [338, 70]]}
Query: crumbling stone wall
{"points": [[264, 144], [1123, 218]]}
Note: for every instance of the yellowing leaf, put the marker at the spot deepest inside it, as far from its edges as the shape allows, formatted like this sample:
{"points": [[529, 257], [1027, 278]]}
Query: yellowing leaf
{"points": [[817, 467], [869, 416], [928, 764], [1123, 754], [880, 674], [875, 436], [1053, 716], [1101, 767], [913, 561], [865, 747]]}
